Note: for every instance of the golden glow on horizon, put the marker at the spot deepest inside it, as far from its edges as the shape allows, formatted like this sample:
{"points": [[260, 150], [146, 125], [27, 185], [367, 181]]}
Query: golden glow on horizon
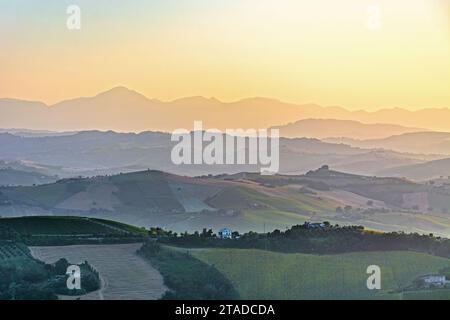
{"points": [[318, 51]]}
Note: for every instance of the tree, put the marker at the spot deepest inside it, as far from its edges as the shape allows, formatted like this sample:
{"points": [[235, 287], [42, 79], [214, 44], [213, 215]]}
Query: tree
{"points": [[61, 266]]}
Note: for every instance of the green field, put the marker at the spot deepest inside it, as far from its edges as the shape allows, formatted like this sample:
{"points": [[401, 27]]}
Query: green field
{"points": [[259, 274], [54, 225]]}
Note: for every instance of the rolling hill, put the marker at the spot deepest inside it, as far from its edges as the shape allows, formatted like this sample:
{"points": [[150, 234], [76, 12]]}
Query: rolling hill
{"points": [[422, 172], [246, 201], [93, 153], [13, 177], [394, 192], [156, 198], [417, 142], [326, 128], [67, 226]]}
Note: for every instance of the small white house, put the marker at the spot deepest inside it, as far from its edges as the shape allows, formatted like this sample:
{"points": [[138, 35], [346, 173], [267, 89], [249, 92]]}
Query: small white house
{"points": [[225, 233]]}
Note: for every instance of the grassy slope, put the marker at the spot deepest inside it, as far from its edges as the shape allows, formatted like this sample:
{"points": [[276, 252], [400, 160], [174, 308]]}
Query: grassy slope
{"points": [[267, 275], [47, 195], [279, 208], [53, 225]]}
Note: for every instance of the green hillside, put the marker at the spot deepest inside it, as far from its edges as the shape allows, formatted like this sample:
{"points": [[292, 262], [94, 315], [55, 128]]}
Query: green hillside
{"points": [[156, 192], [258, 274], [148, 191], [156, 198], [52, 225]]}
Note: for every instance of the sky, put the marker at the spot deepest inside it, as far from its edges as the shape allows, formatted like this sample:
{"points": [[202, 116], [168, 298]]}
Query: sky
{"points": [[359, 54]]}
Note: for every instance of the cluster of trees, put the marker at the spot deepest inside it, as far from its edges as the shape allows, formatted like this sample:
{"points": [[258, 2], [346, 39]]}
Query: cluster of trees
{"points": [[187, 277], [30, 279], [90, 278], [205, 238], [24, 282], [318, 238]]}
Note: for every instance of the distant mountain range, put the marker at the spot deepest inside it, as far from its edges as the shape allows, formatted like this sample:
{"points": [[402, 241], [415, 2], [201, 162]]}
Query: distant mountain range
{"points": [[423, 171], [124, 110], [326, 128], [55, 140], [21, 173], [417, 142], [34, 133]]}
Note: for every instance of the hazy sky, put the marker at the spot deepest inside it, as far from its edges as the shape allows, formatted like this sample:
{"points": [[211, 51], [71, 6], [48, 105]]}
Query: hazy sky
{"points": [[325, 51]]}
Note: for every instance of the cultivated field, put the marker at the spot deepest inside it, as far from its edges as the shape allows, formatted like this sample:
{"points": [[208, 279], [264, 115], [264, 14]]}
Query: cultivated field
{"points": [[54, 225], [124, 274], [259, 274]]}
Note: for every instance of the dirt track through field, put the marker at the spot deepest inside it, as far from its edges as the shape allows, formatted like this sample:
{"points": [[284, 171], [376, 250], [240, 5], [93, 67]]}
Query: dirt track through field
{"points": [[124, 274]]}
